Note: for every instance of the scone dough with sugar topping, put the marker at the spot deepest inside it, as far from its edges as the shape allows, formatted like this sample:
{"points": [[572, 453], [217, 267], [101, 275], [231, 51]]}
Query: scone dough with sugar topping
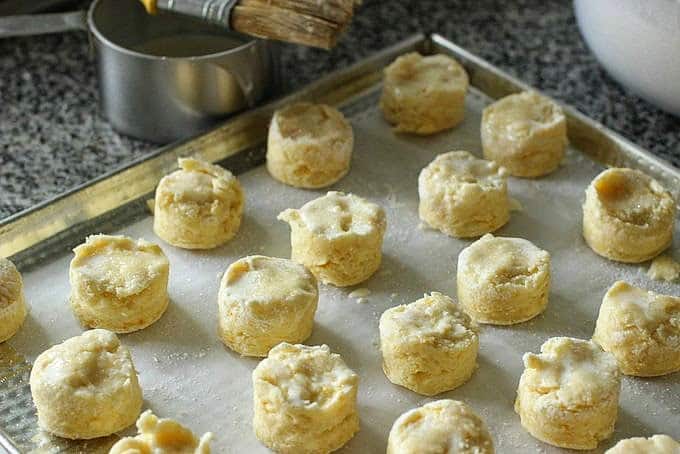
{"points": [[309, 145], [568, 395], [162, 436], [627, 216], [118, 283], [657, 444], [641, 329], [86, 387], [264, 301], [502, 281], [463, 196], [424, 95], [440, 427], [199, 206], [12, 300], [338, 237], [526, 133], [304, 400], [428, 346]]}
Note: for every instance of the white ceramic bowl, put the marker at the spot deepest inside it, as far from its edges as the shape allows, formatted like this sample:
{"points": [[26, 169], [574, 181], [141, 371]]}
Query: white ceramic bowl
{"points": [[638, 43]]}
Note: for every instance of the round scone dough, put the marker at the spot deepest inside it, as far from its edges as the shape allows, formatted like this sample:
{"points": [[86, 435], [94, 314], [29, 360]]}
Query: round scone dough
{"points": [[304, 400], [424, 95], [86, 387], [641, 329], [338, 237], [428, 346], [568, 395], [264, 301], [502, 281], [463, 196], [118, 283], [526, 133], [627, 216], [309, 145], [440, 427], [12, 301], [199, 206], [162, 436], [657, 444]]}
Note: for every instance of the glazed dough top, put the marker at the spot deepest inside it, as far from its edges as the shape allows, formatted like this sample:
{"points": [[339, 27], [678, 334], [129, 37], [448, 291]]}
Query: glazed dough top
{"points": [[630, 195], [10, 283], [644, 309], [517, 116], [501, 261], [310, 122], [301, 377], [93, 363], [258, 280], [162, 436], [658, 444], [413, 75], [197, 182], [460, 168], [118, 265], [443, 426], [575, 372], [337, 214], [435, 318]]}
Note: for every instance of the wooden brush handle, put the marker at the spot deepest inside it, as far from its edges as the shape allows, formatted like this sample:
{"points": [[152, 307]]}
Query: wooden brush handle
{"points": [[316, 23]]}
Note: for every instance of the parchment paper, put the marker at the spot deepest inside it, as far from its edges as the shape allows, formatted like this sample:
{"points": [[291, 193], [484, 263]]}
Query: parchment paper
{"points": [[186, 373]]}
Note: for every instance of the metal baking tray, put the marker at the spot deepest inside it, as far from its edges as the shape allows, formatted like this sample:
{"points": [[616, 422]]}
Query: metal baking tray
{"points": [[185, 371]]}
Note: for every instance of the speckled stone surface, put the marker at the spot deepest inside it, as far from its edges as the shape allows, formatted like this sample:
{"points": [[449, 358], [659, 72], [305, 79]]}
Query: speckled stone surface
{"points": [[52, 137]]}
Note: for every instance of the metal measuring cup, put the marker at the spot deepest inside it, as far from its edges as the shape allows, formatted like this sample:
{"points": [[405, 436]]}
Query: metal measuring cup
{"points": [[157, 97]]}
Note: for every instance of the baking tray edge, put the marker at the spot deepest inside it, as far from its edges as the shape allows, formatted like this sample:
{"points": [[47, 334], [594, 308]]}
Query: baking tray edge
{"points": [[117, 198]]}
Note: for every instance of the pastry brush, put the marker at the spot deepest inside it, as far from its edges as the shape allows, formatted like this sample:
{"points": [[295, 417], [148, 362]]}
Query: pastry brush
{"points": [[316, 23]]}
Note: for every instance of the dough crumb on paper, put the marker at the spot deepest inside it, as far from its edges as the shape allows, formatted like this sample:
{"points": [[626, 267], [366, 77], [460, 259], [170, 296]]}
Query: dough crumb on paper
{"points": [[664, 268], [360, 293], [515, 205]]}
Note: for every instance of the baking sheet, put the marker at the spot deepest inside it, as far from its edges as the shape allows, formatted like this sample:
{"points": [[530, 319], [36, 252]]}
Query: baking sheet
{"points": [[186, 373]]}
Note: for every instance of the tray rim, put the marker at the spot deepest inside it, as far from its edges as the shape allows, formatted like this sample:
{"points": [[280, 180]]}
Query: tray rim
{"points": [[240, 133], [362, 78]]}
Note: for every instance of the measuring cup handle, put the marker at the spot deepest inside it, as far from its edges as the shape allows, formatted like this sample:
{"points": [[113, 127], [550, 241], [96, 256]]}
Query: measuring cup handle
{"points": [[39, 24]]}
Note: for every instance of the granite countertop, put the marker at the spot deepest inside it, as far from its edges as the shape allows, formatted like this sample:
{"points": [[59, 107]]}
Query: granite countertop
{"points": [[53, 138]]}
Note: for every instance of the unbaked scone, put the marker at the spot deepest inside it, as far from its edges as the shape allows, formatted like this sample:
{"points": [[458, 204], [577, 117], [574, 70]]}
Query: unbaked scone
{"points": [[627, 216], [440, 427], [199, 206], [162, 436], [463, 196], [338, 237], [641, 329], [502, 281], [424, 95], [264, 301], [304, 400], [309, 145], [526, 133], [118, 283], [12, 301], [568, 395], [428, 346], [657, 444], [86, 387]]}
